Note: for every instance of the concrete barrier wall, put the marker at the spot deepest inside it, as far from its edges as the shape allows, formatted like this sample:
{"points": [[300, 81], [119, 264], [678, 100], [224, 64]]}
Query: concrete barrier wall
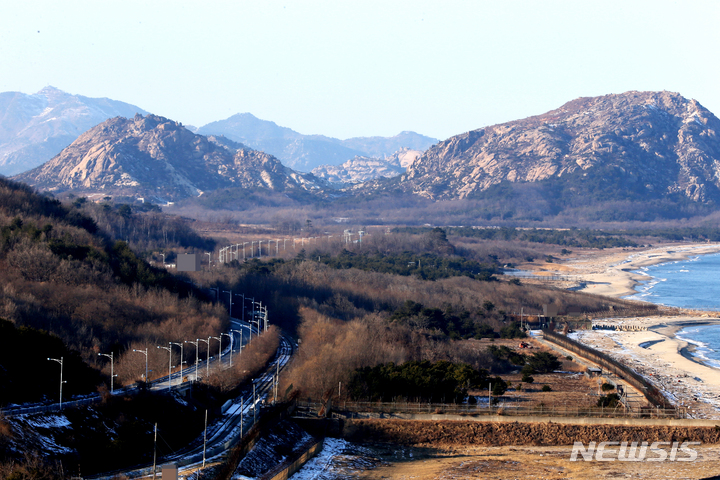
{"points": [[293, 467]]}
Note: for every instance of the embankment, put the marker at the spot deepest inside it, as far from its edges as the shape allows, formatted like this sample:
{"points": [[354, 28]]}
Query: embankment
{"points": [[448, 432]]}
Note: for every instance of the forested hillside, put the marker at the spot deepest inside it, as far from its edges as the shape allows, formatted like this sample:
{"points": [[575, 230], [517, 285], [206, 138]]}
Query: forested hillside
{"points": [[63, 275]]}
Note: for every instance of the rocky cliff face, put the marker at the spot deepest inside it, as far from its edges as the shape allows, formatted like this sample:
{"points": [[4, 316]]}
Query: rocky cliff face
{"points": [[35, 128], [359, 169], [653, 143], [159, 159]]}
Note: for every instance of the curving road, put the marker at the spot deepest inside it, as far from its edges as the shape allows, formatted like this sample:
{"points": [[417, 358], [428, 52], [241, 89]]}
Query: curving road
{"points": [[226, 431]]}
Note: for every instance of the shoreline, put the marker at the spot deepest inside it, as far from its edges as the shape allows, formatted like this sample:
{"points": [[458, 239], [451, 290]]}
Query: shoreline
{"points": [[613, 273], [655, 352]]}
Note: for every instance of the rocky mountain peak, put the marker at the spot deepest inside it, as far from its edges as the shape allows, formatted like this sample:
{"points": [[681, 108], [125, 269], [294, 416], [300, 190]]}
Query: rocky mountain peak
{"points": [[157, 158], [657, 143]]}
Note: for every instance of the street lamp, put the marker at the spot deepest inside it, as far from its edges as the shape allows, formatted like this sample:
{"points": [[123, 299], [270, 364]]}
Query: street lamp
{"points": [[252, 302], [181, 358], [163, 255], [207, 362], [231, 342], [219, 339], [144, 352], [244, 243], [209, 258], [196, 357], [112, 370], [230, 294], [169, 349], [60, 361]]}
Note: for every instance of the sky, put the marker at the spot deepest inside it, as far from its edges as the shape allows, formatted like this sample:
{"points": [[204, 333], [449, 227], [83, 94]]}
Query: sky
{"points": [[360, 68]]}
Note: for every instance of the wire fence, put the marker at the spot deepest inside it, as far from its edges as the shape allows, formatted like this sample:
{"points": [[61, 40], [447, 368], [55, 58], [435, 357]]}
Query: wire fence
{"points": [[653, 395], [503, 407]]}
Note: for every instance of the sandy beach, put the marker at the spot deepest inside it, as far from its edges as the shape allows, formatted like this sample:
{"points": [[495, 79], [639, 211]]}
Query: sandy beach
{"points": [[654, 351]]}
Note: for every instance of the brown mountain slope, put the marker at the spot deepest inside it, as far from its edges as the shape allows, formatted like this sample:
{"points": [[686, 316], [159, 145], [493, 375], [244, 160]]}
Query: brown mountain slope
{"points": [[646, 144], [159, 159]]}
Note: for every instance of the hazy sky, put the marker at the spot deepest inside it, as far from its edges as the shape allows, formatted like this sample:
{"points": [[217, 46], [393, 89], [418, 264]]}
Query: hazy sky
{"points": [[360, 68]]}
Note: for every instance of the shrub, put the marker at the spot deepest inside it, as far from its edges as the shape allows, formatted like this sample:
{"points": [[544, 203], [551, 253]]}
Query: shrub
{"points": [[610, 400], [543, 362], [527, 378], [606, 387], [546, 388]]}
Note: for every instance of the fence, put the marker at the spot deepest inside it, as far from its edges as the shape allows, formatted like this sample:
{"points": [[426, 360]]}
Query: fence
{"points": [[652, 394], [503, 407], [289, 470]]}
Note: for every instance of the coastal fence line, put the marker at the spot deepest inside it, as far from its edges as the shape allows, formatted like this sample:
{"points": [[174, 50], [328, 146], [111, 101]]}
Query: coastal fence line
{"points": [[653, 395], [505, 407]]}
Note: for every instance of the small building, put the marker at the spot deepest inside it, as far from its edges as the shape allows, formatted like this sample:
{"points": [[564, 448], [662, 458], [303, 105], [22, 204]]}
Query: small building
{"points": [[188, 262]]}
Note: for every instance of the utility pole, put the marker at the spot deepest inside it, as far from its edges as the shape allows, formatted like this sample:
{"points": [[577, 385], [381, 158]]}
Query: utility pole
{"points": [[205, 439], [155, 452], [254, 404]]}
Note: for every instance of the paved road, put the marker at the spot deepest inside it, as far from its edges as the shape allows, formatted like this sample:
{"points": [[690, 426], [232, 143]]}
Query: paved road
{"points": [[225, 432]]}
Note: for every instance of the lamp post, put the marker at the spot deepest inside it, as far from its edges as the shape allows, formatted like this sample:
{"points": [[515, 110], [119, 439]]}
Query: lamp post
{"points": [[242, 313], [252, 249], [181, 359], [241, 342], [252, 302], [169, 349], [219, 339], [60, 361], [207, 362], [196, 357], [144, 352], [209, 258], [163, 255], [244, 243], [260, 309], [230, 295], [112, 370], [231, 342]]}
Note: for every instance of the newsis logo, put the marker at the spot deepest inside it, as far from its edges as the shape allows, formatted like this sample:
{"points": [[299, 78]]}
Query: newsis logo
{"points": [[634, 452]]}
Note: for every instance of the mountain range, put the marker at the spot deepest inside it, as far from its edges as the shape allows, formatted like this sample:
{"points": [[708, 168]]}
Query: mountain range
{"points": [[306, 152], [641, 144], [156, 158], [656, 150], [34, 128]]}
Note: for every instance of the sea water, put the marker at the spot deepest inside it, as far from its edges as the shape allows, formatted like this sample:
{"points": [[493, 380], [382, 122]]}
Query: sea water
{"points": [[692, 283], [706, 339]]}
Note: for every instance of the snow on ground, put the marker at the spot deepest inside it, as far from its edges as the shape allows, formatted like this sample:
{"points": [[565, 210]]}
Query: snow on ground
{"points": [[337, 460], [318, 468], [38, 432], [47, 421]]}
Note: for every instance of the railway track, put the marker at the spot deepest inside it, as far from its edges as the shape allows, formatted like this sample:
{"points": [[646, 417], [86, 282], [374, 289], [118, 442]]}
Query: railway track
{"points": [[227, 430]]}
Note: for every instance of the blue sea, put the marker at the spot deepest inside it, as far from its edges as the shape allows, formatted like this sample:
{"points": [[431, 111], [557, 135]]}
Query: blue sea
{"points": [[691, 283]]}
